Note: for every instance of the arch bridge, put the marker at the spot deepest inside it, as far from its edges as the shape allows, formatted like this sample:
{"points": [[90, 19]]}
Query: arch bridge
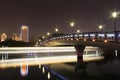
{"points": [[104, 40]]}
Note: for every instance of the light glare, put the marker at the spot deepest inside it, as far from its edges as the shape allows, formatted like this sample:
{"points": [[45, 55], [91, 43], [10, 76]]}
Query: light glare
{"points": [[72, 24], [100, 26], [114, 14]]}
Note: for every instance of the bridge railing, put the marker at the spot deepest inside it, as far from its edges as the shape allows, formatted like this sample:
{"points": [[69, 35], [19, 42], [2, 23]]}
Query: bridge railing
{"points": [[89, 36]]}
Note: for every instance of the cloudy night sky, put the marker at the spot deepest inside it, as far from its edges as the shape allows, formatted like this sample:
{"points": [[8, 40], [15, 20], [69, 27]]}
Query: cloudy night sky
{"points": [[43, 16]]}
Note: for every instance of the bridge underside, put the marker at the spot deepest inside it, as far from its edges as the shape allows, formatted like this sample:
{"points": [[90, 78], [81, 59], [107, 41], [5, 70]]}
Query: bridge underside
{"points": [[105, 46], [80, 51], [80, 46]]}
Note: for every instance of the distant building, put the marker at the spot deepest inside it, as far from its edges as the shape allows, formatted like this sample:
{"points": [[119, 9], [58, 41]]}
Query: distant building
{"points": [[16, 37], [3, 37], [25, 33]]}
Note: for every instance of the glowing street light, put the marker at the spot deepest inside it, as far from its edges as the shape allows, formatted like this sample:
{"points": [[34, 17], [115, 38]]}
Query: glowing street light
{"points": [[43, 37], [56, 29], [100, 27], [48, 33], [39, 40], [114, 15], [72, 24], [78, 31]]}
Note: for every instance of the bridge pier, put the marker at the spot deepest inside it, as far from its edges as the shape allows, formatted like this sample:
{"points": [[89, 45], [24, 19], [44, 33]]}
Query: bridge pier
{"points": [[80, 50], [80, 64], [116, 36]]}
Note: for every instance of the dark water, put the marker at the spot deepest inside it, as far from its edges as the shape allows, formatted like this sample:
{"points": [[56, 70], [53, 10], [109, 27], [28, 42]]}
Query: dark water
{"points": [[14, 74], [106, 69]]}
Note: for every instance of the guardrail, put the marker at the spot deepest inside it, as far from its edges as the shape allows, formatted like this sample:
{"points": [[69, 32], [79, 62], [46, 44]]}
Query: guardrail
{"points": [[89, 36]]}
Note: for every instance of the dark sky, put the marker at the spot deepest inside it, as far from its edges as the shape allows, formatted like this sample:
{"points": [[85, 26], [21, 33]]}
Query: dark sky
{"points": [[43, 16]]}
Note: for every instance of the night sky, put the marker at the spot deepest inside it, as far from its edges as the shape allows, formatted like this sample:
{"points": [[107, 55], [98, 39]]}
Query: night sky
{"points": [[43, 16]]}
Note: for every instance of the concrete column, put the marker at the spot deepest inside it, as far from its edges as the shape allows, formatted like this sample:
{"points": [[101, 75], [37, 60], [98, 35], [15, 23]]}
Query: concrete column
{"points": [[80, 65], [89, 36], [116, 36], [96, 35], [82, 35], [80, 50]]}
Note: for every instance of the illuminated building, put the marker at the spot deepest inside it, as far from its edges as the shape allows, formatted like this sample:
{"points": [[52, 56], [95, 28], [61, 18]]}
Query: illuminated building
{"points": [[3, 37], [24, 33], [16, 37]]}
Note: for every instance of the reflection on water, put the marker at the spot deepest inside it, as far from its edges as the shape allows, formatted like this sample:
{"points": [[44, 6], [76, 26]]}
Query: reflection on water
{"points": [[24, 70], [94, 67], [105, 69]]}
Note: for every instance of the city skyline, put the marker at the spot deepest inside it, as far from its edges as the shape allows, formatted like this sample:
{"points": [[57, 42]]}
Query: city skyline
{"points": [[43, 16]]}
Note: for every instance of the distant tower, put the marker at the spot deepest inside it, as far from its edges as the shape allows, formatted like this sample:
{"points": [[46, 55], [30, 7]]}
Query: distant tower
{"points": [[25, 33], [3, 37]]}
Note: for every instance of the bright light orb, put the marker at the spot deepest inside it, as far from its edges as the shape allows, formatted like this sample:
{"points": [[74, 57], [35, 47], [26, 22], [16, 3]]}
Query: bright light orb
{"points": [[72, 24], [48, 33], [114, 14], [43, 37], [56, 30], [100, 26], [78, 31]]}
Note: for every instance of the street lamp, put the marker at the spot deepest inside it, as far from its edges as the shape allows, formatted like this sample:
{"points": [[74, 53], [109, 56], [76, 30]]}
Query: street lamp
{"points": [[114, 15], [39, 40], [56, 29], [100, 27], [48, 33], [78, 31], [43, 37], [72, 24]]}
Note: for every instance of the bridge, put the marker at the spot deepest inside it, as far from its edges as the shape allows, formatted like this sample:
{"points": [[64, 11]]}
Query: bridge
{"points": [[108, 40], [67, 39], [98, 39], [104, 40]]}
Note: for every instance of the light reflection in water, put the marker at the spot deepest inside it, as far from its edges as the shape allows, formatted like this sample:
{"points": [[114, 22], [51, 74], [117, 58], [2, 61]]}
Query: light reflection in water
{"points": [[46, 60], [43, 58], [24, 70], [116, 53]]}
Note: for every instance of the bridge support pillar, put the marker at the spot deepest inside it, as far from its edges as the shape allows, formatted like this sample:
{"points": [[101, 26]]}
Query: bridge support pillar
{"points": [[80, 65], [116, 36], [80, 50]]}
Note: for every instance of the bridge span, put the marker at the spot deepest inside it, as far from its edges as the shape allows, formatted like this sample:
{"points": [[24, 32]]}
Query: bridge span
{"points": [[104, 40], [98, 39]]}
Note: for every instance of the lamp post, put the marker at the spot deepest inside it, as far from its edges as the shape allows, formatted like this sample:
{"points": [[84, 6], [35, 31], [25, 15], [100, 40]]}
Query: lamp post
{"points": [[114, 15], [78, 31], [72, 24], [43, 37], [48, 34], [56, 30], [100, 27]]}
